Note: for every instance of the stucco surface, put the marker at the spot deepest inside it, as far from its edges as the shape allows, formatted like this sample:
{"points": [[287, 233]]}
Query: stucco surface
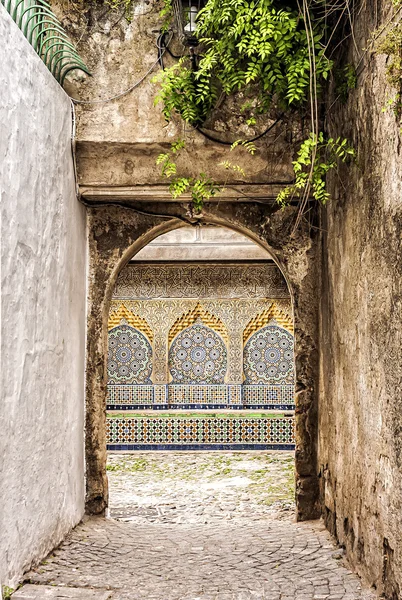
{"points": [[361, 370], [43, 266]]}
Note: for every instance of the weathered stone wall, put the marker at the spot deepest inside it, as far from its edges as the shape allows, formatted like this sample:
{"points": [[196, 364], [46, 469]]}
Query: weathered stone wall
{"points": [[360, 417], [43, 289]]}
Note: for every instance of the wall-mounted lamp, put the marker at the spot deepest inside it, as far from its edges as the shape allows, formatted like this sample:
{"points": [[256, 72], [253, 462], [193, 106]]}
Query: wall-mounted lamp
{"points": [[186, 12]]}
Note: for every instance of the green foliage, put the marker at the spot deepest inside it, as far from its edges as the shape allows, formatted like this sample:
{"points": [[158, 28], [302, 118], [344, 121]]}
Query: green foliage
{"points": [[317, 156], [345, 80], [7, 592], [166, 14], [201, 188], [391, 44], [269, 53], [262, 44], [249, 146], [185, 92]]}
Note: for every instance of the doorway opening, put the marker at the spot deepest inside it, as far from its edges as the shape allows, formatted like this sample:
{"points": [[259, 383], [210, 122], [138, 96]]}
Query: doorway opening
{"points": [[201, 380]]}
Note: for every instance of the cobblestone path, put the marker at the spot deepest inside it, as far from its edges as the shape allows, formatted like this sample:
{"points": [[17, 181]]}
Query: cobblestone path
{"points": [[201, 527]]}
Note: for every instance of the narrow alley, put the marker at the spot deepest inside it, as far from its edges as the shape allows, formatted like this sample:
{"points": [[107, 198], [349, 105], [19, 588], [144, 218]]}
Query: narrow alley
{"points": [[182, 526]]}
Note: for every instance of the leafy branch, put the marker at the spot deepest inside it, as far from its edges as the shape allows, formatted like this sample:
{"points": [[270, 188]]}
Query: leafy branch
{"points": [[310, 173], [245, 44], [277, 55], [202, 187]]}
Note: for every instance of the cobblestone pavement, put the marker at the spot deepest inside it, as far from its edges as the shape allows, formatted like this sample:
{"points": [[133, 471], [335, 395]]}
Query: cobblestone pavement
{"points": [[241, 545]]}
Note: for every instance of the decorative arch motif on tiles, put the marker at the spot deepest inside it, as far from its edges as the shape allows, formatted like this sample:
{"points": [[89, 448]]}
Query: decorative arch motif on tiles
{"points": [[198, 355], [281, 318], [129, 357], [198, 313], [269, 357], [122, 313]]}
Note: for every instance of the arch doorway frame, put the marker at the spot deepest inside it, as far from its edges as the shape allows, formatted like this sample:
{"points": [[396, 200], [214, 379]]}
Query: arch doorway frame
{"points": [[116, 234]]}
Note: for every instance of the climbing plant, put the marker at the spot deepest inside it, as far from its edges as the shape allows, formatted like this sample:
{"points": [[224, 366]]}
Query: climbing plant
{"points": [[275, 55], [327, 154]]}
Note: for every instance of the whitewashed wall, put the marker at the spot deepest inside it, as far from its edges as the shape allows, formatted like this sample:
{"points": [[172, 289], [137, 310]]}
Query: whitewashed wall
{"points": [[43, 291]]}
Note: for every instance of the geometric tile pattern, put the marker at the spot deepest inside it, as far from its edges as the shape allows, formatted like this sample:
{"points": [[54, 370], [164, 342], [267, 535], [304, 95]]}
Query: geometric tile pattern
{"points": [[123, 313], [275, 397], [268, 357], [200, 430], [268, 395], [230, 318], [198, 394], [201, 281], [129, 356], [130, 394], [198, 356], [281, 318], [196, 314]]}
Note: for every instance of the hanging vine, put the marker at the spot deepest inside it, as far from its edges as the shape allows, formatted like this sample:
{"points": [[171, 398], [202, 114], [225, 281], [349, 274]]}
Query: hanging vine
{"points": [[276, 56], [244, 44]]}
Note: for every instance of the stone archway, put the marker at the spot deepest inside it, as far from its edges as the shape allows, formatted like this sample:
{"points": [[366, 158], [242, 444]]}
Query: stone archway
{"points": [[117, 233]]}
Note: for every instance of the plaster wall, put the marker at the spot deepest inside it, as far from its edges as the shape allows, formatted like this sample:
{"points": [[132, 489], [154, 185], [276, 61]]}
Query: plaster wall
{"points": [[43, 290], [201, 243], [360, 417]]}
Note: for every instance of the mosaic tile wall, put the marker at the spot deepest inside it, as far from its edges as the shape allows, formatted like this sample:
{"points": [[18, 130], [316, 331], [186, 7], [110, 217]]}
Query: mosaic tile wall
{"points": [[141, 433], [129, 356], [197, 355], [200, 337], [175, 396], [268, 357]]}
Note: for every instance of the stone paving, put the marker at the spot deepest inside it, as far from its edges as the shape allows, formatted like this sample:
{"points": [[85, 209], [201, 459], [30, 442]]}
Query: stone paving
{"points": [[201, 487], [203, 526]]}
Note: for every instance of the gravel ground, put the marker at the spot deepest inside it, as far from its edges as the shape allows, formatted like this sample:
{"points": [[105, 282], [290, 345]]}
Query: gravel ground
{"points": [[201, 487]]}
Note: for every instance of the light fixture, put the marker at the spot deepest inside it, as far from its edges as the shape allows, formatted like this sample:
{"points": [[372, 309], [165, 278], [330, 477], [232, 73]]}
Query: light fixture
{"points": [[186, 12]]}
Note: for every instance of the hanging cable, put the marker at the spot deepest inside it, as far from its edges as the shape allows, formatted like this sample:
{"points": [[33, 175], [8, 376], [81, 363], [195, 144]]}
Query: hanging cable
{"points": [[253, 139], [164, 47]]}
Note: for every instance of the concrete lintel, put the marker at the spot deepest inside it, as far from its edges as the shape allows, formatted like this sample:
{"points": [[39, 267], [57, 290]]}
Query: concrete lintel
{"points": [[265, 193]]}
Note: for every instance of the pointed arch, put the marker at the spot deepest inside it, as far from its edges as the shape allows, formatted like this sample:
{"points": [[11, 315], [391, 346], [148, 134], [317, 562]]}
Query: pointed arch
{"points": [[273, 313], [194, 314], [123, 313]]}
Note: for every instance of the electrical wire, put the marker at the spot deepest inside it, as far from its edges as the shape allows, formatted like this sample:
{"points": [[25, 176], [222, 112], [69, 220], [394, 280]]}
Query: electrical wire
{"points": [[163, 47], [137, 210], [253, 139]]}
